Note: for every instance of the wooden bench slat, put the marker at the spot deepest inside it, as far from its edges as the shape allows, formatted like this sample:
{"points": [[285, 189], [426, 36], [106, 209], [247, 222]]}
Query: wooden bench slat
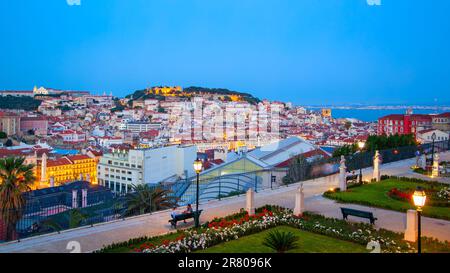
{"points": [[358, 213]]}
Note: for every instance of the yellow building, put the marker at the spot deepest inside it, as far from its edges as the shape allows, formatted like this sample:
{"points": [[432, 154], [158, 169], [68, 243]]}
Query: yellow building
{"points": [[166, 90], [66, 169], [326, 113]]}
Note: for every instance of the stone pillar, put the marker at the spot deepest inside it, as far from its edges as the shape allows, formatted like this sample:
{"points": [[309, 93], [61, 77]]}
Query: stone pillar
{"points": [[44, 168], [342, 175], [84, 195], [74, 199], [88, 178], [411, 232], [251, 201], [299, 201], [423, 161], [81, 177], [376, 167], [52, 181], [435, 172]]}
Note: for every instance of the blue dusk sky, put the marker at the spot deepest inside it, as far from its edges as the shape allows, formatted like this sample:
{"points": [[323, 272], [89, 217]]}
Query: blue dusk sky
{"points": [[304, 51]]}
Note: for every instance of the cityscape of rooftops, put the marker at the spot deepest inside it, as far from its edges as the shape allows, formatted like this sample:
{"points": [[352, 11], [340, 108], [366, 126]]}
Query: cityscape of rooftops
{"points": [[244, 127]]}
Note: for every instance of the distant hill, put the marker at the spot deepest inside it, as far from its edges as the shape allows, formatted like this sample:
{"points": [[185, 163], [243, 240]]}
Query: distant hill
{"points": [[195, 90]]}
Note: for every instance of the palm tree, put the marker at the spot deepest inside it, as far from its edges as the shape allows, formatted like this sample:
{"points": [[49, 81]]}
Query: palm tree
{"points": [[281, 241], [76, 217], [144, 199], [15, 179]]}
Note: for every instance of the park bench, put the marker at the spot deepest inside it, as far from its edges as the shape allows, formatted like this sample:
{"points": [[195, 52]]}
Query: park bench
{"points": [[352, 178], [358, 213], [182, 217]]}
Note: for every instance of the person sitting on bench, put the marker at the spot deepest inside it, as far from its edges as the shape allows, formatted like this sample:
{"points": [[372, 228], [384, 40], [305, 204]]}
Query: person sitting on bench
{"points": [[188, 210], [174, 213]]}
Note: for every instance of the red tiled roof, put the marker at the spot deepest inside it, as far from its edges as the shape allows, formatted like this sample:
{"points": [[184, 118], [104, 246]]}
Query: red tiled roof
{"points": [[8, 114], [17, 152], [150, 133], [217, 161], [421, 117], [96, 153], [443, 115], [426, 131], [393, 117], [58, 162], [78, 157], [33, 119]]}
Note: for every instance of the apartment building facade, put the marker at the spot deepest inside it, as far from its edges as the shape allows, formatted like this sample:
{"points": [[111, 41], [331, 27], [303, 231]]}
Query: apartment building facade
{"points": [[121, 169]]}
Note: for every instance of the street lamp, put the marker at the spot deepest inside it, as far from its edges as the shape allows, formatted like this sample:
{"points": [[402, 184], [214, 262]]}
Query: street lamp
{"points": [[198, 165], [419, 198], [433, 137], [361, 147]]}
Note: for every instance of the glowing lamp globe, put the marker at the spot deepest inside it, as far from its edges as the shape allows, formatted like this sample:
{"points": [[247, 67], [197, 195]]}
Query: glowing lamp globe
{"points": [[361, 145], [198, 165], [419, 197]]}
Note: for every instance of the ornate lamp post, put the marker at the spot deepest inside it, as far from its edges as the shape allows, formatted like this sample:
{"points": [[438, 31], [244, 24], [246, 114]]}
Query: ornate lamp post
{"points": [[198, 165], [419, 198], [361, 147], [433, 137]]}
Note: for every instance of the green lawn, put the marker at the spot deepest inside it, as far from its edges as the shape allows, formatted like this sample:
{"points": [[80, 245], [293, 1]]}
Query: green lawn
{"points": [[308, 243], [376, 194]]}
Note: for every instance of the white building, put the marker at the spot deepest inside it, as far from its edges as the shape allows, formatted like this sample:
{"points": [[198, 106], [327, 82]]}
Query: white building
{"points": [[122, 169], [107, 141], [72, 136], [139, 126], [424, 136], [151, 104]]}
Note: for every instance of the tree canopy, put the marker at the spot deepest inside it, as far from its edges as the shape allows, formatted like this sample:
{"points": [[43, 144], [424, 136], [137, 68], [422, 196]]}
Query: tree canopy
{"points": [[23, 103]]}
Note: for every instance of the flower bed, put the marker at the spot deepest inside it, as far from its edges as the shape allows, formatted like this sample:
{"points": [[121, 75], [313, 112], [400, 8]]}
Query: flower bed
{"points": [[435, 198], [444, 193], [237, 225], [400, 195]]}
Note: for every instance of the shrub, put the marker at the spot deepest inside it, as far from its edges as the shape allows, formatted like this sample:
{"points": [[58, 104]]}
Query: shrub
{"points": [[281, 241]]}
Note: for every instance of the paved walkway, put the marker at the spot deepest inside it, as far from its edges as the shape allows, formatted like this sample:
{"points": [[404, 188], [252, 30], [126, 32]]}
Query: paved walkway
{"points": [[93, 238]]}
